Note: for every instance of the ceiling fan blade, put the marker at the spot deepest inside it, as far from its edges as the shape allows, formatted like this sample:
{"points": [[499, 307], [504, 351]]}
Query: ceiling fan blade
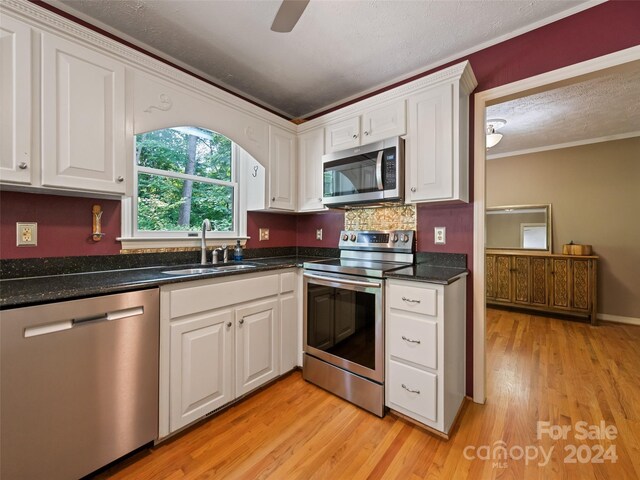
{"points": [[288, 15]]}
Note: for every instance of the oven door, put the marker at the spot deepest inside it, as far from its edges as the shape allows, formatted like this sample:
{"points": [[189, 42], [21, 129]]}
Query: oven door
{"points": [[343, 322]]}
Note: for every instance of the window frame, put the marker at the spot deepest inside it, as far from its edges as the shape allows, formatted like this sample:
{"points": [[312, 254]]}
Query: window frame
{"points": [[133, 238]]}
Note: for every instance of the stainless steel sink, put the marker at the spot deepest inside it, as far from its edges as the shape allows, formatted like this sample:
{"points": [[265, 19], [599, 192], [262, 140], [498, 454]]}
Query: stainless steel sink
{"points": [[190, 271], [225, 268], [211, 269]]}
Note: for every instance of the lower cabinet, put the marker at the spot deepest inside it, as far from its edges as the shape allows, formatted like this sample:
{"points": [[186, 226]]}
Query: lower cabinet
{"points": [[425, 345], [222, 338]]}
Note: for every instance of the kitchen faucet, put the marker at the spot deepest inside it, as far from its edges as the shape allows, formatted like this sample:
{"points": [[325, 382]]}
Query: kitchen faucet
{"points": [[206, 225]]}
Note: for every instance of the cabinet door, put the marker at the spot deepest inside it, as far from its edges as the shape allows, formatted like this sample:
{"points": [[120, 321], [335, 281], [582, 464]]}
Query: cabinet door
{"points": [[538, 279], [560, 282], [580, 284], [344, 314], [83, 118], [490, 274], [310, 151], [521, 273], [282, 180], [342, 135], [386, 121], [320, 317], [200, 366], [503, 278], [257, 345], [429, 152], [15, 101]]}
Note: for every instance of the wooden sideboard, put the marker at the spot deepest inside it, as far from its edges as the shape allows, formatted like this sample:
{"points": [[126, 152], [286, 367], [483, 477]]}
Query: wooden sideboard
{"points": [[564, 284]]}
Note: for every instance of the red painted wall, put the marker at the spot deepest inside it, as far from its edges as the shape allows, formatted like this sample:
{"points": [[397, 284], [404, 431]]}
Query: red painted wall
{"points": [[64, 225], [282, 229], [330, 222]]}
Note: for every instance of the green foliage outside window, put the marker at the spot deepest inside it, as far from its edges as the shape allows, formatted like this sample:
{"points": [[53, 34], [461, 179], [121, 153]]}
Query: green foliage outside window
{"points": [[167, 203]]}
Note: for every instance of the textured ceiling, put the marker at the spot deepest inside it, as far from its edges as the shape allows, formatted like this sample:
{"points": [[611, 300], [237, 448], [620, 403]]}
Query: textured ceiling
{"points": [[338, 49], [595, 106]]}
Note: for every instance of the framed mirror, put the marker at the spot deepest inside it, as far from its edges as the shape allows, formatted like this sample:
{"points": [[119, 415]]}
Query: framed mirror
{"points": [[519, 227]]}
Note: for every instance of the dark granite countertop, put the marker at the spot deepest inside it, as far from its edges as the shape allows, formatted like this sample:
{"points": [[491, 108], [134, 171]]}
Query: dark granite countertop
{"points": [[428, 273], [20, 292]]}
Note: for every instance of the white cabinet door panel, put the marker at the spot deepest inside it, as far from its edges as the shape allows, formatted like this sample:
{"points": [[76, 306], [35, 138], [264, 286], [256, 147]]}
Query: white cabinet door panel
{"points": [[413, 339], [310, 151], [201, 362], [384, 122], [430, 145], [342, 135], [413, 390], [83, 118], [282, 180], [257, 345], [15, 101]]}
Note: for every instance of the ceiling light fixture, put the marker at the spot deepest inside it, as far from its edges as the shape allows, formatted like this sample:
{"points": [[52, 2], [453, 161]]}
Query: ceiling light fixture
{"points": [[494, 125]]}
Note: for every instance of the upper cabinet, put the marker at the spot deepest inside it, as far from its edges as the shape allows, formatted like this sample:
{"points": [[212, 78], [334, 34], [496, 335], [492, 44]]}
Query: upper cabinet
{"points": [[282, 171], [83, 118], [437, 147], [16, 162], [310, 151], [380, 122]]}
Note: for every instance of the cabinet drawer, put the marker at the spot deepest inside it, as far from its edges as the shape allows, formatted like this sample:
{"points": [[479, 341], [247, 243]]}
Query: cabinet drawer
{"points": [[413, 389], [414, 299], [413, 339]]}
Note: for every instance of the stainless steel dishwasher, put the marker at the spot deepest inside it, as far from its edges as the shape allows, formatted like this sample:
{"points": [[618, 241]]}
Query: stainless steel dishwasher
{"points": [[79, 384]]}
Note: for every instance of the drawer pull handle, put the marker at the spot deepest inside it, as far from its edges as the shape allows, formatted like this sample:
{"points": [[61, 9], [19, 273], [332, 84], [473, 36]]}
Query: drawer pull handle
{"points": [[410, 341], [409, 390], [409, 300]]}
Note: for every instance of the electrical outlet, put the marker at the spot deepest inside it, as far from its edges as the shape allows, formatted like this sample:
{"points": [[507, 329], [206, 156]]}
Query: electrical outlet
{"points": [[440, 235], [319, 234], [26, 234], [264, 234]]}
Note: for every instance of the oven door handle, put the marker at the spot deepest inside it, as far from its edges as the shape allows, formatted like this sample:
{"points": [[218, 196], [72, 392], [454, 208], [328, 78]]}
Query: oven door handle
{"points": [[379, 170], [342, 280]]}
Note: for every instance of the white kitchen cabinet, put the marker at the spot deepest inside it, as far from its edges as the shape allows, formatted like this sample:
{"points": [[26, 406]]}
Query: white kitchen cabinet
{"points": [[377, 123], [201, 365], [282, 171], [83, 118], [16, 163], [310, 176], [425, 351], [221, 338], [257, 345], [437, 152]]}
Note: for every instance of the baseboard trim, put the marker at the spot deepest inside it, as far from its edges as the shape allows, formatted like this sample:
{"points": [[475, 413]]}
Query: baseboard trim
{"points": [[605, 317]]}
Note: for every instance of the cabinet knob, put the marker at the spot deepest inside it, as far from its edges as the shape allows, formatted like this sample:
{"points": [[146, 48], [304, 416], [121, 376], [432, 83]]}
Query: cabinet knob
{"points": [[355, 136], [228, 324], [366, 133], [120, 179], [22, 166], [241, 321], [273, 199], [413, 189], [320, 199]]}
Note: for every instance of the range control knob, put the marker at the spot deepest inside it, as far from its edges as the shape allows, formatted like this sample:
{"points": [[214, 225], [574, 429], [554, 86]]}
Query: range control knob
{"points": [[345, 237], [404, 238], [394, 237], [353, 237]]}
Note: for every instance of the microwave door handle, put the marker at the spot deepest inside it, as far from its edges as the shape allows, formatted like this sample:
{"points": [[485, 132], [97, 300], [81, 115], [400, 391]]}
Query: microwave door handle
{"points": [[379, 170]]}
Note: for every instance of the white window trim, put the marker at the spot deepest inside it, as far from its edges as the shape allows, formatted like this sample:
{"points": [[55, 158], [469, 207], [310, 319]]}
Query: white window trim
{"points": [[132, 239]]}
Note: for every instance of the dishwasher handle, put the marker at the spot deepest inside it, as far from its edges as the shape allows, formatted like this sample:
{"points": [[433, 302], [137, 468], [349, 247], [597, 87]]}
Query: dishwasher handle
{"points": [[68, 324]]}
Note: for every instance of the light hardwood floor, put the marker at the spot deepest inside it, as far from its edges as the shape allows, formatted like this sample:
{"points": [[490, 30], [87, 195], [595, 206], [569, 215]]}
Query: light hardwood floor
{"points": [[539, 369]]}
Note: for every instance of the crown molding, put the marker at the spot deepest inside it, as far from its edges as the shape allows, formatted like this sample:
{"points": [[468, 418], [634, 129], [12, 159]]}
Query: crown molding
{"points": [[46, 20]]}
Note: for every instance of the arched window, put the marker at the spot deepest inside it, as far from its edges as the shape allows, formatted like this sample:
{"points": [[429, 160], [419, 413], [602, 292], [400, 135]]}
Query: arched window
{"points": [[182, 176]]}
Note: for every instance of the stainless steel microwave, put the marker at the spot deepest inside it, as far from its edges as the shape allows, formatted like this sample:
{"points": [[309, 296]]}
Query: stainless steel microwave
{"points": [[370, 174]]}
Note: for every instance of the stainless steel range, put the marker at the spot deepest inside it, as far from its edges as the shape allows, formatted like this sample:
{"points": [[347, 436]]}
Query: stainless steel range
{"points": [[344, 315]]}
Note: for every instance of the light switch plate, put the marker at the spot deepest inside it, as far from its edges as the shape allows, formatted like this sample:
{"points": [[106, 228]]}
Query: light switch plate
{"points": [[264, 234], [319, 234], [440, 235], [26, 234]]}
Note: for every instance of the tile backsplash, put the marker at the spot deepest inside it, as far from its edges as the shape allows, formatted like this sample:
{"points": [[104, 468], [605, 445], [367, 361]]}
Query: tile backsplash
{"points": [[402, 217]]}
